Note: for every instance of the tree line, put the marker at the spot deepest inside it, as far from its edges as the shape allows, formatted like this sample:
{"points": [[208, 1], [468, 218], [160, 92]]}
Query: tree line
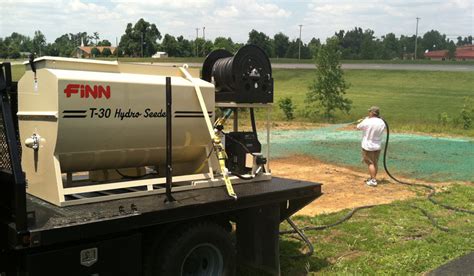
{"points": [[143, 39]]}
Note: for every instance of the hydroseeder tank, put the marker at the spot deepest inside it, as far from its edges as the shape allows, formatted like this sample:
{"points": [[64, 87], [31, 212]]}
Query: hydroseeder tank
{"points": [[90, 128]]}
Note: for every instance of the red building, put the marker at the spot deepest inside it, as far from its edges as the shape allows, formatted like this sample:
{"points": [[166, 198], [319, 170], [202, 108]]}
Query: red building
{"points": [[462, 53], [465, 53]]}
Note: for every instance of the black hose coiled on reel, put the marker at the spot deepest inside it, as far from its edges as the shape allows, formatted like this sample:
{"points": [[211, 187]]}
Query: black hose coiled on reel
{"points": [[245, 77]]}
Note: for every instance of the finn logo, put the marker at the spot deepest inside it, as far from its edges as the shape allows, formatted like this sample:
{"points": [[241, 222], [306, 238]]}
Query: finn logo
{"points": [[87, 91]]}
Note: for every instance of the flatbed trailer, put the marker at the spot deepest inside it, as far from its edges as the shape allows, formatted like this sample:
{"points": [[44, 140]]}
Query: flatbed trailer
{"points": [[201, 232], [126, 232]]}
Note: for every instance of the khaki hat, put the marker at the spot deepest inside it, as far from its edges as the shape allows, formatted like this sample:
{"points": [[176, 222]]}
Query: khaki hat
{"points": [[375, 110]]}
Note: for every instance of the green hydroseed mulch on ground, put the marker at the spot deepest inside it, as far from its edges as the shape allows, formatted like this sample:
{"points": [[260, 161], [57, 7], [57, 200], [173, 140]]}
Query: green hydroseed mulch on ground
{"points": [[410, 155]]}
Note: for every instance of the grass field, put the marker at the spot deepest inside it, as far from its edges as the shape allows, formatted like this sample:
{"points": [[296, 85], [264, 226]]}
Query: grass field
{"points": [[392, 239], [409, 100], [17, 72]]}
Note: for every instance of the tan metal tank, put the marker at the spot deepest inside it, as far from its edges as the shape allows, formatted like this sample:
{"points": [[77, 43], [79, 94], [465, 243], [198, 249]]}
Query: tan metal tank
{"points": [[83, 115]]}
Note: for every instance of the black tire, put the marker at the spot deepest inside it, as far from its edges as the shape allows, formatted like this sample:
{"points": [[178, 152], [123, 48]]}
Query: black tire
{"points": [[201, 249]]}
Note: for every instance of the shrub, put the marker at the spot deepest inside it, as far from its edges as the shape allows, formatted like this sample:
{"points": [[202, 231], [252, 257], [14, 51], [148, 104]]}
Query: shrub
{"points": [[288, 108], [467, 113], [106, 52], [95, 52], [443, 119]]}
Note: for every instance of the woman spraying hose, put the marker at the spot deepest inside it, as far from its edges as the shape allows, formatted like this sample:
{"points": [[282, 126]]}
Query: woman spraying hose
{"points": [[372, 128]]}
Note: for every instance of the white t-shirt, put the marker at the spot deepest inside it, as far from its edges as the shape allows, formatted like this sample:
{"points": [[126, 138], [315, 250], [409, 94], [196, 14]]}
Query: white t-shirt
{"points": [[372, 129]]}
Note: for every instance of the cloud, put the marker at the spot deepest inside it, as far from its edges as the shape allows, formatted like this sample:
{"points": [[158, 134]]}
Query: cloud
{"points": [[235, 18], [227, 12], [452, 17]]}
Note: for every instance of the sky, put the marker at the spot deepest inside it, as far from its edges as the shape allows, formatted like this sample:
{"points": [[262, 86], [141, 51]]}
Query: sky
{"points": [[236, 18]]}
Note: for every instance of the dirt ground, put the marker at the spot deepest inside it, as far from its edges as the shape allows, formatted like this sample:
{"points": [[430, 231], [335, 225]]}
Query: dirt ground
{"points": [[342, 187]]}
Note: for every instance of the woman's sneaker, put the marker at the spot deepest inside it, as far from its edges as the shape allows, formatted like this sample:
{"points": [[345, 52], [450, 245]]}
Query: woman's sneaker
{"points": [[371, 182]]}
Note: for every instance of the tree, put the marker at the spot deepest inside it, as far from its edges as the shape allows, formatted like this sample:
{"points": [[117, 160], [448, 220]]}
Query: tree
{"points": [[294, 48], [3, 49], [464, 41], [407, 45], [433, 40], [170, 45], [359, 44], [281, 42], [451, 50], [262, 40], [329, 86], [104, 42], [202, 47], [96, 37], [95, 52], [39, 42], [314, 46], [391, 48], [66, 44], [206, 48], [16, 43], [106, 52], [185, 47], [141, 35], [224, 43], [468, 40], [368, 48]]}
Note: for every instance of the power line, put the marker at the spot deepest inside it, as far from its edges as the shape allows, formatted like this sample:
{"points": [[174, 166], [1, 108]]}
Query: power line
{"points": [[416, 36], [195, 41], [142, 43], [299, 45]]}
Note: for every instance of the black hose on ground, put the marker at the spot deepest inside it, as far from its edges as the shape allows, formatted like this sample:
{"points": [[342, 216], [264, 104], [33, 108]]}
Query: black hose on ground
{"points": [[433, 221], [426, 186], [303, 237]]}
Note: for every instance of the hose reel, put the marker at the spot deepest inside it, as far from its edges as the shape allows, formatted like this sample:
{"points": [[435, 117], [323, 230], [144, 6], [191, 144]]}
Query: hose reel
{"points": [[245, 77]]}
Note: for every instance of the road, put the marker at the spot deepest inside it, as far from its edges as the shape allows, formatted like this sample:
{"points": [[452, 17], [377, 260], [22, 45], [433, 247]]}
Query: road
{"points": [[460, 266], [359, 66], [351, 66]]}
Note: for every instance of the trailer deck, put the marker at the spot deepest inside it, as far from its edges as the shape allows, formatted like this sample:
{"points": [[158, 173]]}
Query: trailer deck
{"points": [[49, 224]]}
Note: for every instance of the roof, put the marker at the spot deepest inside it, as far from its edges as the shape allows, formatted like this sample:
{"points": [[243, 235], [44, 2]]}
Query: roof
{"points": [[437, 54], [465, 53], [88, 49]]}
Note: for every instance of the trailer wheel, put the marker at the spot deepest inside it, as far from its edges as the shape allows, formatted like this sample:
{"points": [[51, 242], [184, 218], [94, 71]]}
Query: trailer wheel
{"points": [[201, 249]]}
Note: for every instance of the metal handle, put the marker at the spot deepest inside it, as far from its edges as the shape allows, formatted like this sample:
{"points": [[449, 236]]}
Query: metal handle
{"points": [[33, 142]]}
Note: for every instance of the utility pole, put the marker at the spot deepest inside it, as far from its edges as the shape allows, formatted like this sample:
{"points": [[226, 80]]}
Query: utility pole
{"points": [[195, 41], [416, 36], [204, 33], [142, 44], [299, 45]]}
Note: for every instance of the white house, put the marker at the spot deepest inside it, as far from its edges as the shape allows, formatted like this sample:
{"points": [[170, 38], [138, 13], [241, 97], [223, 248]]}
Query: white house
{"points": [[160, 55]]}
